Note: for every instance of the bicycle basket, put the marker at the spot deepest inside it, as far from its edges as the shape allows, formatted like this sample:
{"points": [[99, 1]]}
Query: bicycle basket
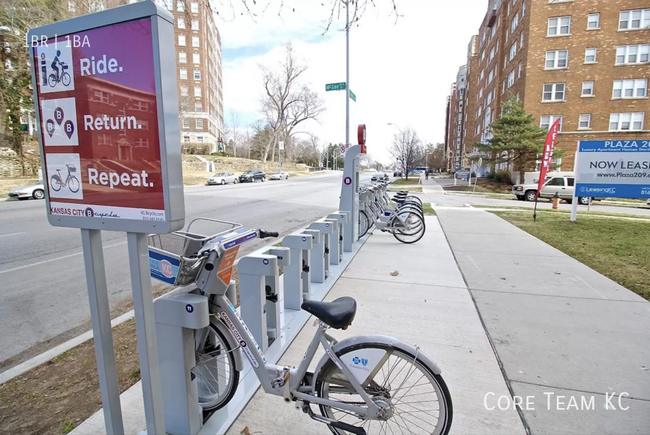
{"points": [[72, 168]]}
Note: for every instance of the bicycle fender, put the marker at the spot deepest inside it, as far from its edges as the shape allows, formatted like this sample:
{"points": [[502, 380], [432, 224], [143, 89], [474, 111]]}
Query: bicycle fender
{"points": [[392, 342], [234, 345]]}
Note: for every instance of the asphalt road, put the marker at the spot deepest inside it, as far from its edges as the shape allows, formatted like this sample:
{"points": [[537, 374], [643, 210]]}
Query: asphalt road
{"points": [[43, 288]]}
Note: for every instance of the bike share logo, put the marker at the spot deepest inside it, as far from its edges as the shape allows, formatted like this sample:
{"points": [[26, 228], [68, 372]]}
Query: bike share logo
{"points": [[55, 68], [63, 178], [360, 361], [59, 122]]}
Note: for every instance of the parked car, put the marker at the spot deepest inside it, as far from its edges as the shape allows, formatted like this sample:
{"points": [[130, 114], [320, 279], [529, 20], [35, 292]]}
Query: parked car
{"points": [[280, 175], [397, 174], [648, 202], [252, 176], [564, 185], [223, 178], [36, 191], [386, 177]]}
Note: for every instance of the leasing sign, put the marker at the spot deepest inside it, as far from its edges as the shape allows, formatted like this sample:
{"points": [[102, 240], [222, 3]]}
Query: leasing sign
{"points": [[613, 168]]}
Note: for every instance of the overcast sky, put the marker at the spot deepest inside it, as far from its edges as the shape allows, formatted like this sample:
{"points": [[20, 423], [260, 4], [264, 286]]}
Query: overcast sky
{"points": [[401, 71]]}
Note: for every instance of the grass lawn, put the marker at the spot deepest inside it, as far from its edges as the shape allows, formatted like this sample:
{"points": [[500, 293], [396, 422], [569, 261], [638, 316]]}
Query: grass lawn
{"points": [[408, 189], [617, 248], [404, 181], [580, 213], [483, 186], [427, 209]]}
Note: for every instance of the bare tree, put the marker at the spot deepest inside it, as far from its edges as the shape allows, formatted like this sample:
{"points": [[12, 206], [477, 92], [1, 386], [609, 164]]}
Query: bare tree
{"points": [[233, 133], [407, 149]]}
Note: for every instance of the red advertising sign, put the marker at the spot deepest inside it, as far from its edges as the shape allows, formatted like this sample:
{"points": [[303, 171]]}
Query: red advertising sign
{"points": [[96, 94], [549, 147]]}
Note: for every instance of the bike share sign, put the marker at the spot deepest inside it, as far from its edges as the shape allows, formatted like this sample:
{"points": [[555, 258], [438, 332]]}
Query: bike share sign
{"points": [[103, 130]]}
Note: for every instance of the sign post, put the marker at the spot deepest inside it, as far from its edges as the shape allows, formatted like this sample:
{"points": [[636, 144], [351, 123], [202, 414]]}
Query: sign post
{"points": [[110, 148]]}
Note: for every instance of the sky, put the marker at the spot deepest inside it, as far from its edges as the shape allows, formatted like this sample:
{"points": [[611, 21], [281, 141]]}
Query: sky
{"points": [[401, 68]]}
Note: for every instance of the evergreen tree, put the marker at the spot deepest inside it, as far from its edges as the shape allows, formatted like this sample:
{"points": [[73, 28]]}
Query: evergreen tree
{"points": [[517, 140]]}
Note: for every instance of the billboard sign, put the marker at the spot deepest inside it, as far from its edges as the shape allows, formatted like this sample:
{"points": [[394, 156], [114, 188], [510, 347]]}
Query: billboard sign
{"points": [[108, 120], [613, 169]]}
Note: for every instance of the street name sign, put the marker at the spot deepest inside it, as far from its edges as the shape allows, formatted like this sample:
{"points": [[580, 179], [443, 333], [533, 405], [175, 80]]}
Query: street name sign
{"points": [[354, 97], [335, 86]]}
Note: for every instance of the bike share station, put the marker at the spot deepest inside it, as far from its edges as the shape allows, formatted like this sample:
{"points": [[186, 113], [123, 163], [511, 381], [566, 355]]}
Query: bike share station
{"points": [[139, 190]]}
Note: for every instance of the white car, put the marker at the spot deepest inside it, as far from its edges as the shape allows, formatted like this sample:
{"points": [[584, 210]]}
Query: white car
{"points": [[36, 191], [280, 175], [223, 178]]}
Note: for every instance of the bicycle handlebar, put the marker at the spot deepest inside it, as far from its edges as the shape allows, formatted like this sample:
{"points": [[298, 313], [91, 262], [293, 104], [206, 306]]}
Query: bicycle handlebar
{"points": [[265, 234], [209, 263]]}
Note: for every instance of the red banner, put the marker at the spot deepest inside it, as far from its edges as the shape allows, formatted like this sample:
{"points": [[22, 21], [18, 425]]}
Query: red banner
{"points": [[549, 147]]}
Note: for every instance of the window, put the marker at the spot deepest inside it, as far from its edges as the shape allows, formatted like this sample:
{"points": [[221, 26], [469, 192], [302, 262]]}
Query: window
{"points": [[141, 106], [186, 138], [100, 96], [104, 139], [195, 41], [513, 50], [633, 20], [185, 91], [559, 26], [634, 88], [196, 58], [180, 22], [587, 89], [546, 121], [72, 7], [593, 21], [553, 92], [590, 55], [181, 40], [198, 107], [491, 54], [142, 143], [197, 74], [521, 40], [197, 91], [186, 123], [585, 121], [511, 78], [519, 71], [523, 9], [182, 57], [517, 97], [183, 73], [194, 7], [557, 59], [180, 6], [199, 124], [482, 74], [632, 54], [195, 24], [199, 139], [514, 23], [626, 121]]}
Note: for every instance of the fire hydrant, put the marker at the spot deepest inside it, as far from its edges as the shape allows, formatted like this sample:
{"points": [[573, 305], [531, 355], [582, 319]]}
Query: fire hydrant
{"points": [[556, 200]]}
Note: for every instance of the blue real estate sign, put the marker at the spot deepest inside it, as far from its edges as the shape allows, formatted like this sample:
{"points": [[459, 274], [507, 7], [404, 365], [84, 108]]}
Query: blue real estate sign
{"points": [[613, 169]]}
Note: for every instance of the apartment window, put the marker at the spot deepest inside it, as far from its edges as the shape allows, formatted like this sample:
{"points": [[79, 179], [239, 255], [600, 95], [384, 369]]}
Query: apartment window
{"points": [[195, 24], [587, 89], [186, 138], [482, 55], [521, 40], [183, 73], [513, 50], [626, 121], [632, 54], [181, 40], [508, 9], [194, 7], [180, 6], [141, 106], [635, 88], [100, 96], [517, 97], [182, 57], [503, 86], [185, 91], [559, 26], [197, 74], [584, 122], [523, 9], [634, 20], [519, 70], [198, 106], [199, 139], [557, 59], [180, 23], [186, 123], [514, 23], [196, 58], [104, 139], [195, 41], [554, 92], [511, 78], [72, 7], [199, 124], [546, 121], [197, 91], [482, 74], [491, 54], [593, 21], [590, 55], [142, 143]]}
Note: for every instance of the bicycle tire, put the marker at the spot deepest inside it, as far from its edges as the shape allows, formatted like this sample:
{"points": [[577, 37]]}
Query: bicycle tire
{"points": [[76, 183], [414, 233], [65, 76], [331, 381], [56, 183], [51, 80], [211, 394], [364, 223]]}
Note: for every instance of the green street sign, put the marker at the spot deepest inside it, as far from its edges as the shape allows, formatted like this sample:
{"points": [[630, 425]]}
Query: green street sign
{"points": [[354, 97], [335, 86]]}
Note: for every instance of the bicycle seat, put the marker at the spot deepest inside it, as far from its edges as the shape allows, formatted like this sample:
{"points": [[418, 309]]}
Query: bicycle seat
{"points": [[338, 314]]}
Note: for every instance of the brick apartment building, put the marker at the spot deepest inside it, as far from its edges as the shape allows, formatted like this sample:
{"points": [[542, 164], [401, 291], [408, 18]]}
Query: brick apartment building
{"points": [[198, 65], [585, 62]]}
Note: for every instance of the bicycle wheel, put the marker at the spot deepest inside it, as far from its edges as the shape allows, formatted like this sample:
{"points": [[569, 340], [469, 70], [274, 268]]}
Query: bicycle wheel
{"points": [[364, 223], [56, 183], [416, 399], [51, 80], [413, 231], [215, 372], [65, 79], [73, 184]]}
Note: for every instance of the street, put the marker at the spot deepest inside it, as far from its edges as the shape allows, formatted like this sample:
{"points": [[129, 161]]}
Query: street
{"points": [[43, 295]]}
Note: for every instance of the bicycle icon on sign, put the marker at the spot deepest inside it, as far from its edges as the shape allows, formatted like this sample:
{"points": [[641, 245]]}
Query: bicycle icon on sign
{"points": [[60, 75], [71, 182]]}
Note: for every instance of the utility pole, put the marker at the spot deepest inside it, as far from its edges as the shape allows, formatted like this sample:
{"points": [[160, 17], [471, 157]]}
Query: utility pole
{"points": [[347, 72]]}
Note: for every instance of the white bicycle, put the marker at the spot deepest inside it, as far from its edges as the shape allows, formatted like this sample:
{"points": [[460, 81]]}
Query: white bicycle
{"points": [[365, 384]]}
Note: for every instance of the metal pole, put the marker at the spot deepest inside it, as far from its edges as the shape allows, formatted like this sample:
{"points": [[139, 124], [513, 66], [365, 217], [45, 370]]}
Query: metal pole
{"points": [[347, 72], [100, 315], [574, 202], [145, 329]]}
